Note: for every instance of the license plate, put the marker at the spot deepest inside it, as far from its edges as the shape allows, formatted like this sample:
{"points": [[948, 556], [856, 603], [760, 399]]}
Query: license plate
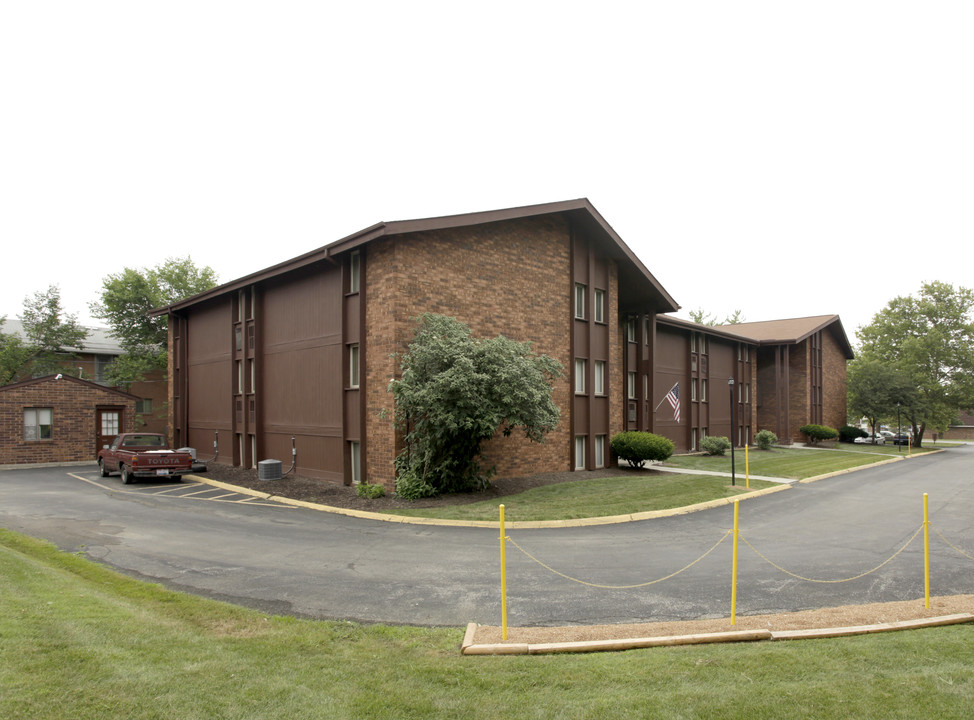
{"points": [[162, 472]]}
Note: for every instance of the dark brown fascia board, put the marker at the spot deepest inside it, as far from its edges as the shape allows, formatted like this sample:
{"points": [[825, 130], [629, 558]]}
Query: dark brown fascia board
{"points": [[709, 329], [296, 263], [573, 208], [69, 378]]}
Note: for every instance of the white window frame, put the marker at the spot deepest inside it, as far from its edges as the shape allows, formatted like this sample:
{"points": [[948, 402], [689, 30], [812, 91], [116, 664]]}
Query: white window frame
{"points": [[354, 372], [600, 451], [599, 297], [580, 298], [354, 272], [599, 380], [631, 382], [34, 424], [579, 452], [355, 461], [581, 367]]}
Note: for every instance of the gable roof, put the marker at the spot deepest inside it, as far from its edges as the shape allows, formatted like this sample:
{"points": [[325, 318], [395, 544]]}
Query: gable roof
{"points": [[638, 286], [61, 378], [791, 331]]}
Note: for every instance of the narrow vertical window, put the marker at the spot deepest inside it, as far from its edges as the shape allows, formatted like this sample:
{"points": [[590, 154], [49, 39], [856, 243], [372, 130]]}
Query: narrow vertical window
{"points": [[580, 367], [253, 451], [703, 390], [693, 342], [693, 440], [631, 330], [600, 451], [355, 458], [632, 386], [354, 272], [353, 366], [240, 377], [599, 306], [579, 452], [693, 389], [579, 301], [600, 377]]}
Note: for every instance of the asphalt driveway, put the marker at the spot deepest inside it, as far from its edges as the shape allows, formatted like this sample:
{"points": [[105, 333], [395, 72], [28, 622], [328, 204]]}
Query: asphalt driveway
{"points": [[297, 561]]}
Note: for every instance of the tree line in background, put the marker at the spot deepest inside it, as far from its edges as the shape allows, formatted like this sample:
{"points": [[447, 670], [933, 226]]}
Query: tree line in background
{"points": [[916, 359], [52, 337]]}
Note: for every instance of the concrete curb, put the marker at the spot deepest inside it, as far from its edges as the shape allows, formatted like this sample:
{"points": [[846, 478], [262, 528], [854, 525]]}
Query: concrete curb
{"points": [[468, 648]]}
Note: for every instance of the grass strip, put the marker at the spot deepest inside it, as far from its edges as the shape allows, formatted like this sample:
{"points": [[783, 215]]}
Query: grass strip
{"points": [[600, 497], [80, 641]]}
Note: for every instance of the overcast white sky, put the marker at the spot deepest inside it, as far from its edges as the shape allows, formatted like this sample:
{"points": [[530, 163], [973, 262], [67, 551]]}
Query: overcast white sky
{"points": [[782, 158]]}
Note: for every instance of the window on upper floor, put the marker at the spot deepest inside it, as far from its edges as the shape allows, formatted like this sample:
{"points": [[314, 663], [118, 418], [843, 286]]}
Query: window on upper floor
{"points": [[581, 366], [580, 301], [353, 366], [599, 297], [599, 379], [354, 272]]}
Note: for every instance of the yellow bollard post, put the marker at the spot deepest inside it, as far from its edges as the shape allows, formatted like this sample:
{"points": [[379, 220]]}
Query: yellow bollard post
{"points": [[926, 552], [503, 578], [734, 568], [747, 468]]}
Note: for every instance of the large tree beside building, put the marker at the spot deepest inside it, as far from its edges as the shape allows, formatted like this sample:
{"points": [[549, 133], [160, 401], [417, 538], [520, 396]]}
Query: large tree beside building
{"points": [[928, 338], [456, 392], [126, 299], [50, 337]]}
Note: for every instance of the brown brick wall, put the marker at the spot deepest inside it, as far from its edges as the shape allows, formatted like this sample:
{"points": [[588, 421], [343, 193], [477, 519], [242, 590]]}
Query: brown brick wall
{"points": [[834, 410], [73, 428], [510, 278], [798, 390]]}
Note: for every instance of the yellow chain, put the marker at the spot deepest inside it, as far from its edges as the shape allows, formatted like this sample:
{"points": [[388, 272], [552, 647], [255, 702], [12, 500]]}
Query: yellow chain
{"points": [[861, 575], [952, 544], [619, 587]]}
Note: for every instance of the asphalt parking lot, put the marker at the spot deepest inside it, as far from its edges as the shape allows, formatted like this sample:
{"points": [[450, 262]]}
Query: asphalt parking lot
{"points": [[289, 560]]}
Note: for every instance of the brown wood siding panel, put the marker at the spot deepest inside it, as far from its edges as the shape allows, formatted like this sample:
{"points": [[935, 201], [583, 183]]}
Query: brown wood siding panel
{"points": [[208, 405], [672, 364]]}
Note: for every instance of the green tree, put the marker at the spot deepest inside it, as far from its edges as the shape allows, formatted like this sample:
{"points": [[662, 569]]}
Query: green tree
{"points": [[51, 336], [930, 339], [701, 317], [875, 388], [457, 391], [126, 299]]}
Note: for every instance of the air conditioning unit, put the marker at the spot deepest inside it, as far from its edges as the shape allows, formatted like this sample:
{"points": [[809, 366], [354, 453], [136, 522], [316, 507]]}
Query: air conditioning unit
{"points": [[269, 470]]}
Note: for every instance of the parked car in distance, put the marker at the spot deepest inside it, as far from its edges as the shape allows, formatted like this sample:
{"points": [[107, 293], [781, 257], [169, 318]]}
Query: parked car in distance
{"points": [[141, 455], [887, 434], [901, 439], [870, 440]]}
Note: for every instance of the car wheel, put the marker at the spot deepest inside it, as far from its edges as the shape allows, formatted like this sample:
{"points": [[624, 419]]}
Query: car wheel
{"points": [[126, 476], [101, 468], [176, 477]]}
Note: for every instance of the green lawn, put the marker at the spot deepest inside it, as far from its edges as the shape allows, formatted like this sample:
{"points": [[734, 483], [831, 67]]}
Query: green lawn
{"points": [[602, 497], [79, 641], [792, 463]]}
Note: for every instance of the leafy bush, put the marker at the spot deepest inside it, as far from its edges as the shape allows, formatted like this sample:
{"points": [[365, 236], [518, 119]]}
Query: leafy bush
{"points": [[456, 392], [410, 486], [638, 447], [370, 491], [817, 433], [766, 439], [715, 445], [849, 433]]}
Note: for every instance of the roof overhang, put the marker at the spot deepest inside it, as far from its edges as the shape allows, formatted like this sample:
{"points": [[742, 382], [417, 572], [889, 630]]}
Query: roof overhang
{"points": [[639, 290]]}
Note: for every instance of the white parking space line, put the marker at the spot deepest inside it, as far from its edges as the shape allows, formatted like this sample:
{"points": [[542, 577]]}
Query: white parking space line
{"points": [[147, 490]]}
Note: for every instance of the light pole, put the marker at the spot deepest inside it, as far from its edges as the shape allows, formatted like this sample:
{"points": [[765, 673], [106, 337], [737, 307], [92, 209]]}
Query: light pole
{"points": [[730, 386]]}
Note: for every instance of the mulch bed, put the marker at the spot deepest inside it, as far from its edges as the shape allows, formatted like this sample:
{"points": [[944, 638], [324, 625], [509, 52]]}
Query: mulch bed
{"points": [[325, 492]]}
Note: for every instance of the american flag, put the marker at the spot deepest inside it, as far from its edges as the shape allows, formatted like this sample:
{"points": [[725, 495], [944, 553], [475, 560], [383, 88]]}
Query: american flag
{"points": [[673, 398]]}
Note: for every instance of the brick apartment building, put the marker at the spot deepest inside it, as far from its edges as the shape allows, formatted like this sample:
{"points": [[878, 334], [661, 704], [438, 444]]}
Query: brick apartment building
{"points": [[305, 349]]}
